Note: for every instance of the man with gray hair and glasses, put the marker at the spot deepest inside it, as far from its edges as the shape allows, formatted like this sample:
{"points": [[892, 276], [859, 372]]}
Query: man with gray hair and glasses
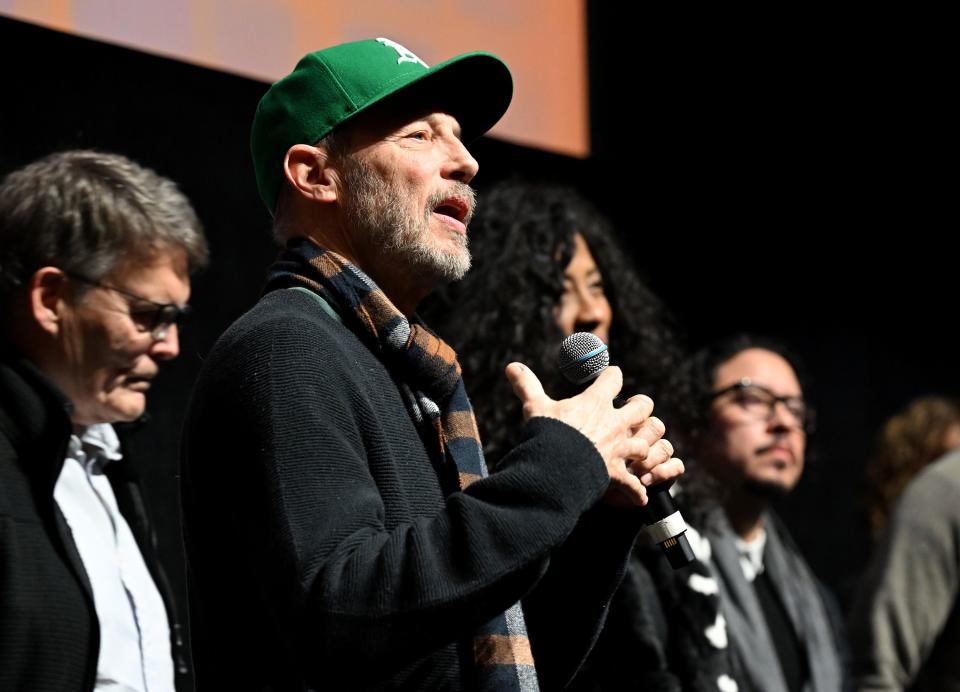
{"points": [[95, 257]]}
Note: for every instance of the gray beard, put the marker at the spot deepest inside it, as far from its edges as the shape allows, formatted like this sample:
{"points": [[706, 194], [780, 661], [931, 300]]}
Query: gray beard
{"points": [[376, 208]]}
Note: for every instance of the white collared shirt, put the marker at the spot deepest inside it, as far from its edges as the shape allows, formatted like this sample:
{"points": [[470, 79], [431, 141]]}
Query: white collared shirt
{"points": [[751, 555], [135, 653]]}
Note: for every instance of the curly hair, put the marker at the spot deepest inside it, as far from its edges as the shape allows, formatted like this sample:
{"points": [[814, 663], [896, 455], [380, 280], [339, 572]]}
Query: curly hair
{"points": [[504, 310], [694, 386], [909, 440], [693, 390]]}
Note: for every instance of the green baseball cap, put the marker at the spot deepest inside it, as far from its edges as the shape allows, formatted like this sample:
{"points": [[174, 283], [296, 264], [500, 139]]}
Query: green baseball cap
{"points": [[329, 87]]}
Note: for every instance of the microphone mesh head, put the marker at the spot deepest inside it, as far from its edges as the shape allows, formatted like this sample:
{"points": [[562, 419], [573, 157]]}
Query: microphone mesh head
{"points": [[583, 356]]}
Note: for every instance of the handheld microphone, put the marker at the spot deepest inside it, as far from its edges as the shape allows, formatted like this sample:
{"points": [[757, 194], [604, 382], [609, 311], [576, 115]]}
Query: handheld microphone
{"points": [[583, 356]]}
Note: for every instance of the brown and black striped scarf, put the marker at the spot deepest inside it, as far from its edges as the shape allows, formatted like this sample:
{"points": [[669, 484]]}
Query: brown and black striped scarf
{"points": [[434, 394]]}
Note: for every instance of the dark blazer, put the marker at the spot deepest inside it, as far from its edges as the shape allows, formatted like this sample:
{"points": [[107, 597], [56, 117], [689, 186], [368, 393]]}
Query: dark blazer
{"points": [[49, 633]]}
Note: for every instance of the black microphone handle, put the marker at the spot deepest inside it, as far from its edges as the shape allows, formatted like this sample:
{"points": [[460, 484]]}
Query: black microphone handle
{"points": [[663, 519]]}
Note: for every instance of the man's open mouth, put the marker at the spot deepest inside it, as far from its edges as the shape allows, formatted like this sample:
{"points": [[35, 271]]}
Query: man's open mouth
{"points": [[454, 207]]}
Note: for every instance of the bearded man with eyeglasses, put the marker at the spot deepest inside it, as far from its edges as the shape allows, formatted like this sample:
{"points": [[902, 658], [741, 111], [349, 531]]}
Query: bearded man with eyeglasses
{"points": [[758, 599], [95, 257]]}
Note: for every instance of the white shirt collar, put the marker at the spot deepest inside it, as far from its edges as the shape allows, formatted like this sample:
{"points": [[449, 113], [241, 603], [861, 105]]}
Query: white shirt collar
{"points": [[98, 440], [751, 555]]}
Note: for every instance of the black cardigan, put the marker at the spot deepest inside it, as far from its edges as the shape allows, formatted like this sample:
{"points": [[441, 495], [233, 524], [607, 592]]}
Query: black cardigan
{"points": [[49, 632], [327, 548]]}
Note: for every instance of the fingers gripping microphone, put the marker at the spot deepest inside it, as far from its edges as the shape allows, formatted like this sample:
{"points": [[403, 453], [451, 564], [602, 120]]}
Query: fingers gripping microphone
{"points": [[583, 356]]}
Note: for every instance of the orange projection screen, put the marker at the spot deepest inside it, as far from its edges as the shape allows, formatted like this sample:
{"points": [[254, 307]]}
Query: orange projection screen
{"points": [[543, 41]]}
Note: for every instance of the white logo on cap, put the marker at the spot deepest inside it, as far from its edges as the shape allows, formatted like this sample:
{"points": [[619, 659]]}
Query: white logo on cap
{"points": [[405, 54]]}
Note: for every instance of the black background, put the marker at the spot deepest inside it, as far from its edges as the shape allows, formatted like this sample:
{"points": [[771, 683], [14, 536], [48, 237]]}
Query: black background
{"points": [[792, 176]]}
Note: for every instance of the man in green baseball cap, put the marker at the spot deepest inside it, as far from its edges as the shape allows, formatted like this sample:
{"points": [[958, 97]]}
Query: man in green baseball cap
{"points": [[342, 528]]}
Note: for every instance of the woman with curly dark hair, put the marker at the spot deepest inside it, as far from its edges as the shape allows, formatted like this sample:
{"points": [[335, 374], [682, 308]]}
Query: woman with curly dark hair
{"points": [[546, 264]]}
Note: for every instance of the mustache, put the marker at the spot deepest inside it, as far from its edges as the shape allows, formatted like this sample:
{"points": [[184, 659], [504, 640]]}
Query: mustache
{"points": [[779, 443], [462, 192]]}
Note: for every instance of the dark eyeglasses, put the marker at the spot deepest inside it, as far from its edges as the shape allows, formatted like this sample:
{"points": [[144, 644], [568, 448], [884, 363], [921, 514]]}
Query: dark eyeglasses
{"points": [[760, 402], [149, 315]]}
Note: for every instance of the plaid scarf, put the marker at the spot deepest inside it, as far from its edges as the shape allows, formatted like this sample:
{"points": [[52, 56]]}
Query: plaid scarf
{"points": [[435, 396]]}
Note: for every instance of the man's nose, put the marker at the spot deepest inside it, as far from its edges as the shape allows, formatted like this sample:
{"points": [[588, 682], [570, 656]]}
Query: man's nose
{"points": [[461, 165], [169, 346]]}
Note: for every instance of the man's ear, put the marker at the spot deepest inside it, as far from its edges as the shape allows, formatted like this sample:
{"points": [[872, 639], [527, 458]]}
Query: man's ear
{"points": [[47, 291], [308, 172]]}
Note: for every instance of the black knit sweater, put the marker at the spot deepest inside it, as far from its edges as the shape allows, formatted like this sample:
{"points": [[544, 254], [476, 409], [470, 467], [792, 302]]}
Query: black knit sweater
{"points": [[329, 551]]}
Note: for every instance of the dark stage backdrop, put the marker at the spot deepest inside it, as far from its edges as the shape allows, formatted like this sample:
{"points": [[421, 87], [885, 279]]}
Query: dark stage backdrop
{"points": [[795, 187], [792, 173]]}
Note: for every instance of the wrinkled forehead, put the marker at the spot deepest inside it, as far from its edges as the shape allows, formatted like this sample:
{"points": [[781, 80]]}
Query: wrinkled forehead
{"points": [[762, 367]]}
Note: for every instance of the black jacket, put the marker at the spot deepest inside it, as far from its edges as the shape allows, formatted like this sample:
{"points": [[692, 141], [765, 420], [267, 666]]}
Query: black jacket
{"points": [[329, 549], [49, 633]]}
